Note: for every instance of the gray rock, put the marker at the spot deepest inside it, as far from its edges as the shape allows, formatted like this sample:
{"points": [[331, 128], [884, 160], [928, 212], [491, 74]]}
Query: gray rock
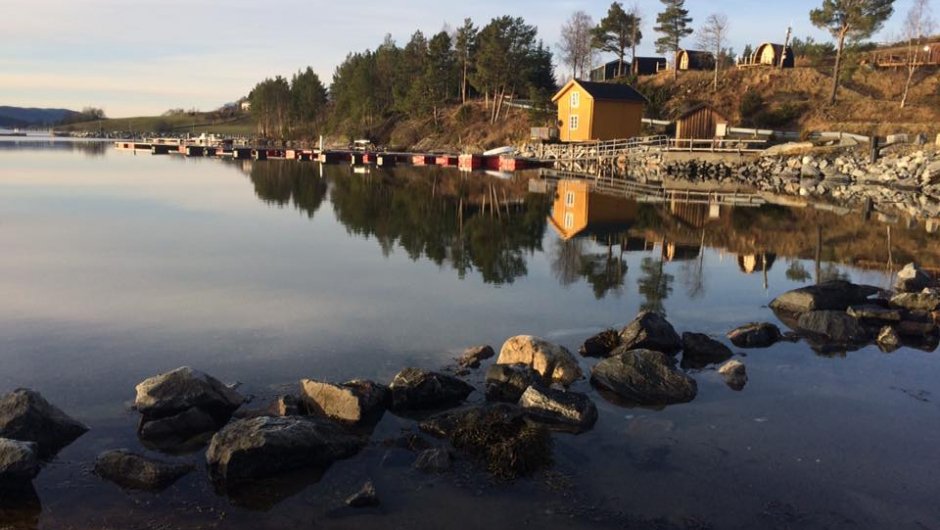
{"points": [[833, 327], [26, 416], [569, 411], [755, 335], [644, 377], [888, 339], [835, 295], [923, 301], [135, 472], [267, 446], [417, 389], [650, 331], [507, 382], [698, 348], [19, 462], [734, 374], [182, 389], [912, 279], [553, 362], [183, 426], [874, 313], [473, 357], [351, 402], [602, 344], [432, 461], [365, 497]]}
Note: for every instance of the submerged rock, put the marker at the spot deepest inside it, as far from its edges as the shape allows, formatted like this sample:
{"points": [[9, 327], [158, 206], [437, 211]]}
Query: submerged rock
{"points": [[888, 339], [507, 382], [835, 295], [833, 327], [183, 389], [755, 335], [644, 377], [267, 446], [650, 331], [19, 462], [135, 472], [364, 498], [417, 389], [700, 349], [734, 374], [570, 411], [553, 362], [923, 301], [602, 344], [444, 425], [179, 428], [351, 402], [27, 417], [472, 357], [436, 460], [912, 279]]}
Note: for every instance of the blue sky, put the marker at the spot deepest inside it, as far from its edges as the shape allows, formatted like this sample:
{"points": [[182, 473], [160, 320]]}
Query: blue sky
{"points": [[141, 57]]}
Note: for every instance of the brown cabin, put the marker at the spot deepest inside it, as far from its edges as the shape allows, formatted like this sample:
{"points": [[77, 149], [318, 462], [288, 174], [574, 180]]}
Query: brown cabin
{"points": [[694, 60], [648, 65], [699, 123]]}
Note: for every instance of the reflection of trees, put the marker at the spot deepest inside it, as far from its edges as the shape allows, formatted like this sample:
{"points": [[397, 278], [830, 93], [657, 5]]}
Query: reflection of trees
{"points": [[655, 285], [566, 260], [796, 272], [606, 272], [284, 183], [830, 271], [413, 215]]}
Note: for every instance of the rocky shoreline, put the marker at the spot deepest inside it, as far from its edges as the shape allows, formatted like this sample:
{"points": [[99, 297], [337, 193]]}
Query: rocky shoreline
{"points": [[509, 433], [904, 179]]}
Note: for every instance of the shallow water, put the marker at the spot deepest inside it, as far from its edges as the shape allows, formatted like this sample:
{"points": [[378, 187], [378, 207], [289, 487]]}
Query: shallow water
{"points": [[116, 267]]}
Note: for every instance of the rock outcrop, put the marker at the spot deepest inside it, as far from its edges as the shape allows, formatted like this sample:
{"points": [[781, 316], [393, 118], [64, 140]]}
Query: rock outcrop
{"points": [[651, 331], [473, 357], [567, 411], [553, 362], [699, 350], [507, 382], [734, 374], [184, 389], [19, 463], [352, 402], [835, 295], [602, 344], [755, 335], [135, 472], [417, 389], [644, 377], [27, 417]]}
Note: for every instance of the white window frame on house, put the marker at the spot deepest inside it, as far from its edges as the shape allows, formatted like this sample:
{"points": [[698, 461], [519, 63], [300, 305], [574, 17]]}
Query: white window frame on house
{"points": [[569, 199], [569, 220], [575, 99], [573, 123]]}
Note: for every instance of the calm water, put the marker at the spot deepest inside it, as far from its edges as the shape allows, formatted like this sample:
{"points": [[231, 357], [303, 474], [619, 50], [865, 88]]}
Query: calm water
{"points": [[116, 267]]}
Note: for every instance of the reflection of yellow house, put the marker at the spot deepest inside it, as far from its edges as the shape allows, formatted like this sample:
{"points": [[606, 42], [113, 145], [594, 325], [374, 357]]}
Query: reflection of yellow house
{"points": [[598, 111], [577, 208], [677, 252], [751, 263]]}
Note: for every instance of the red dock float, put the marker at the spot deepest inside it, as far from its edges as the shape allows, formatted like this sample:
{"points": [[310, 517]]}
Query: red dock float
{"points": [[511, 163], [446, 160], [369, 158], [491, 162], [291, 154], [422, 160], [470, 162]]}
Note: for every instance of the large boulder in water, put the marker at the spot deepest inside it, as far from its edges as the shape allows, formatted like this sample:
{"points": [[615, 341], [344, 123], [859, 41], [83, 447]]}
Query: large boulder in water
{"points": [[135, 472], [836, 295], [755, 335], [912, 279], [507, 382], [553, 362], [352, 402], [832, 327], [699, 349], [417, 389], [19, 462], [183, 389], [644, 377], [558, 409], [267, 446], [26, 416], [651, 331], [602, 344]]}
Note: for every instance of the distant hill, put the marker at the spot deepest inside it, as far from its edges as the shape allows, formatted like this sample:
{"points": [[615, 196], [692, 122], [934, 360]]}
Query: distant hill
{"points": [[27, 117]]}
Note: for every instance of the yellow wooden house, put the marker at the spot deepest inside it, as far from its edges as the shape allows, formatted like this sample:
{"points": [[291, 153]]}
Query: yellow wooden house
{"points": [[598, 111], [577, 209]]}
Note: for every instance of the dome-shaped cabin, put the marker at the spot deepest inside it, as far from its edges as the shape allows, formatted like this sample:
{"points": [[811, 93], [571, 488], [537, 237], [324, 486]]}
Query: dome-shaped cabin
{"points": [[694, 60], [769, 54]]}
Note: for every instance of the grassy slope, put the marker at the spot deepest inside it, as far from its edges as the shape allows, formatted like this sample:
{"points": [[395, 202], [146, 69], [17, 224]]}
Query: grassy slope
{"points": [[203, 123], [868, 102]]}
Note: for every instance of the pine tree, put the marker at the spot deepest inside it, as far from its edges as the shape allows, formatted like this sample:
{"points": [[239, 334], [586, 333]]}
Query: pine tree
{"points": [[854, 19], [466, 44], [615, 33], [674, 24]]}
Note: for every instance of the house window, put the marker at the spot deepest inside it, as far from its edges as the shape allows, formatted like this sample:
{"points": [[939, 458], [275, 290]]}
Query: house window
{"points": [[575, 99], [569, 220], [569, 199], [573, 123]]}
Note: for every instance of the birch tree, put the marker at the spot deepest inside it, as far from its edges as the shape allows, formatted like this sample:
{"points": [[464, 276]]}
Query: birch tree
{"points": [[713, 37], [917, 28], [576, 44]]}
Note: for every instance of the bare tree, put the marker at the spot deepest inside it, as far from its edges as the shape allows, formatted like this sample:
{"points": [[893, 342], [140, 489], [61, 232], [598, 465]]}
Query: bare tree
{"points": [[636, 28], [918, 26], [713, 37], [575, 46]]}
